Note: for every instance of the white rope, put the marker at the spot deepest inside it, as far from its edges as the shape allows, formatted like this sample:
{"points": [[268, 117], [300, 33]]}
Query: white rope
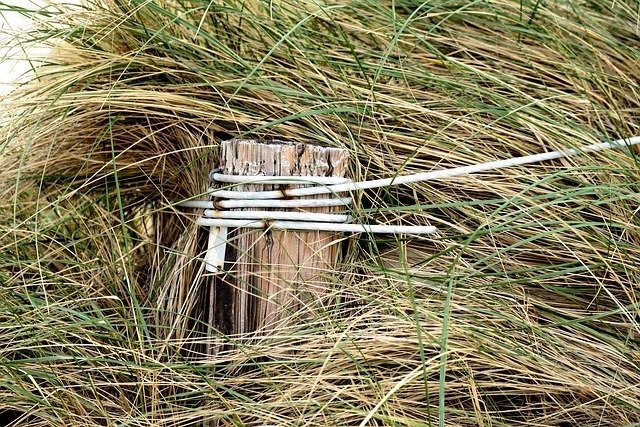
{"points": [[273, 215], [419, 177], [269, 203], [312, 226], [219, 220], [273, 180]]}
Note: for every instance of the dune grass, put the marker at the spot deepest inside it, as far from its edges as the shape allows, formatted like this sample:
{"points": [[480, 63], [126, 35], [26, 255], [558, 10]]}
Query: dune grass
{"points": [[523, 310]]}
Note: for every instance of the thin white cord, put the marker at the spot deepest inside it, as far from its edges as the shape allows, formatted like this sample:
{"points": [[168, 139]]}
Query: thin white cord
{"points": [[420, 177], [273, 180], [219, 221], [315, 226], [260, 203], [273, 215]]}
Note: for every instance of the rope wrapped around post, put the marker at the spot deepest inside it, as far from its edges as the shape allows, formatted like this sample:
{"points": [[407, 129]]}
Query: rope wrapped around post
{"points": [[218, 219]]}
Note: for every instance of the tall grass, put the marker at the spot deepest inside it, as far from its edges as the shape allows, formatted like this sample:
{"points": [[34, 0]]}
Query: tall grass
{"points": [[522, 311]]}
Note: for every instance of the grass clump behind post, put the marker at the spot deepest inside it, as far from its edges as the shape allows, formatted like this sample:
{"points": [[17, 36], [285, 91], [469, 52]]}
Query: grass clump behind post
{"points": [[522, 311]]}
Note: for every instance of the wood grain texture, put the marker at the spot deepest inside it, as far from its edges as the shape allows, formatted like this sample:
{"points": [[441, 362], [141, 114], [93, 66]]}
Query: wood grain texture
{"points": [[272, 275]]}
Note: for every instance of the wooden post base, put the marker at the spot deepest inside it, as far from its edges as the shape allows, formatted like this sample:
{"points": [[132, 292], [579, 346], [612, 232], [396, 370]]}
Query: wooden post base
{"points": [[271, 275]]}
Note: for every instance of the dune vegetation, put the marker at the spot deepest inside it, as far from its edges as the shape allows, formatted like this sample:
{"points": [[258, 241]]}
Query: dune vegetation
{"points": [[522, 310]]}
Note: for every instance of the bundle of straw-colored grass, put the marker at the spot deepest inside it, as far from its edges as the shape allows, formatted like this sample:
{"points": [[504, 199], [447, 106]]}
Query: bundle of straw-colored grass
{"points": [[522, 311]]}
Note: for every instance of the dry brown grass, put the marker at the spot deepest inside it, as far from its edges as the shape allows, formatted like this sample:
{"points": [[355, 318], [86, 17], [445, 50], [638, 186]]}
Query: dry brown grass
{"points": [[522, 311]]}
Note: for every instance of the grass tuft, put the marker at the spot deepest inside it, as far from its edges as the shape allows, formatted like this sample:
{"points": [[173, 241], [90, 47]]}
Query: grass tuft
{"points": [[522, 311]]}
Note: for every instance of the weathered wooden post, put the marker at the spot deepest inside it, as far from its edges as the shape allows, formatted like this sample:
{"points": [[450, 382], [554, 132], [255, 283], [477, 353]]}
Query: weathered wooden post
{"points": [[271, 274]]}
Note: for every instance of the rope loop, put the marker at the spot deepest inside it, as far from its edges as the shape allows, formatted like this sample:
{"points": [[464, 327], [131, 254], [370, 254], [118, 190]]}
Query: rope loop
{"points": [[219, 219]]}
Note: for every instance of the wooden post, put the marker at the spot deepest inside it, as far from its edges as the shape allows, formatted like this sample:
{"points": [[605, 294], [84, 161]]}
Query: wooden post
{"points": [[271, 275]]}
